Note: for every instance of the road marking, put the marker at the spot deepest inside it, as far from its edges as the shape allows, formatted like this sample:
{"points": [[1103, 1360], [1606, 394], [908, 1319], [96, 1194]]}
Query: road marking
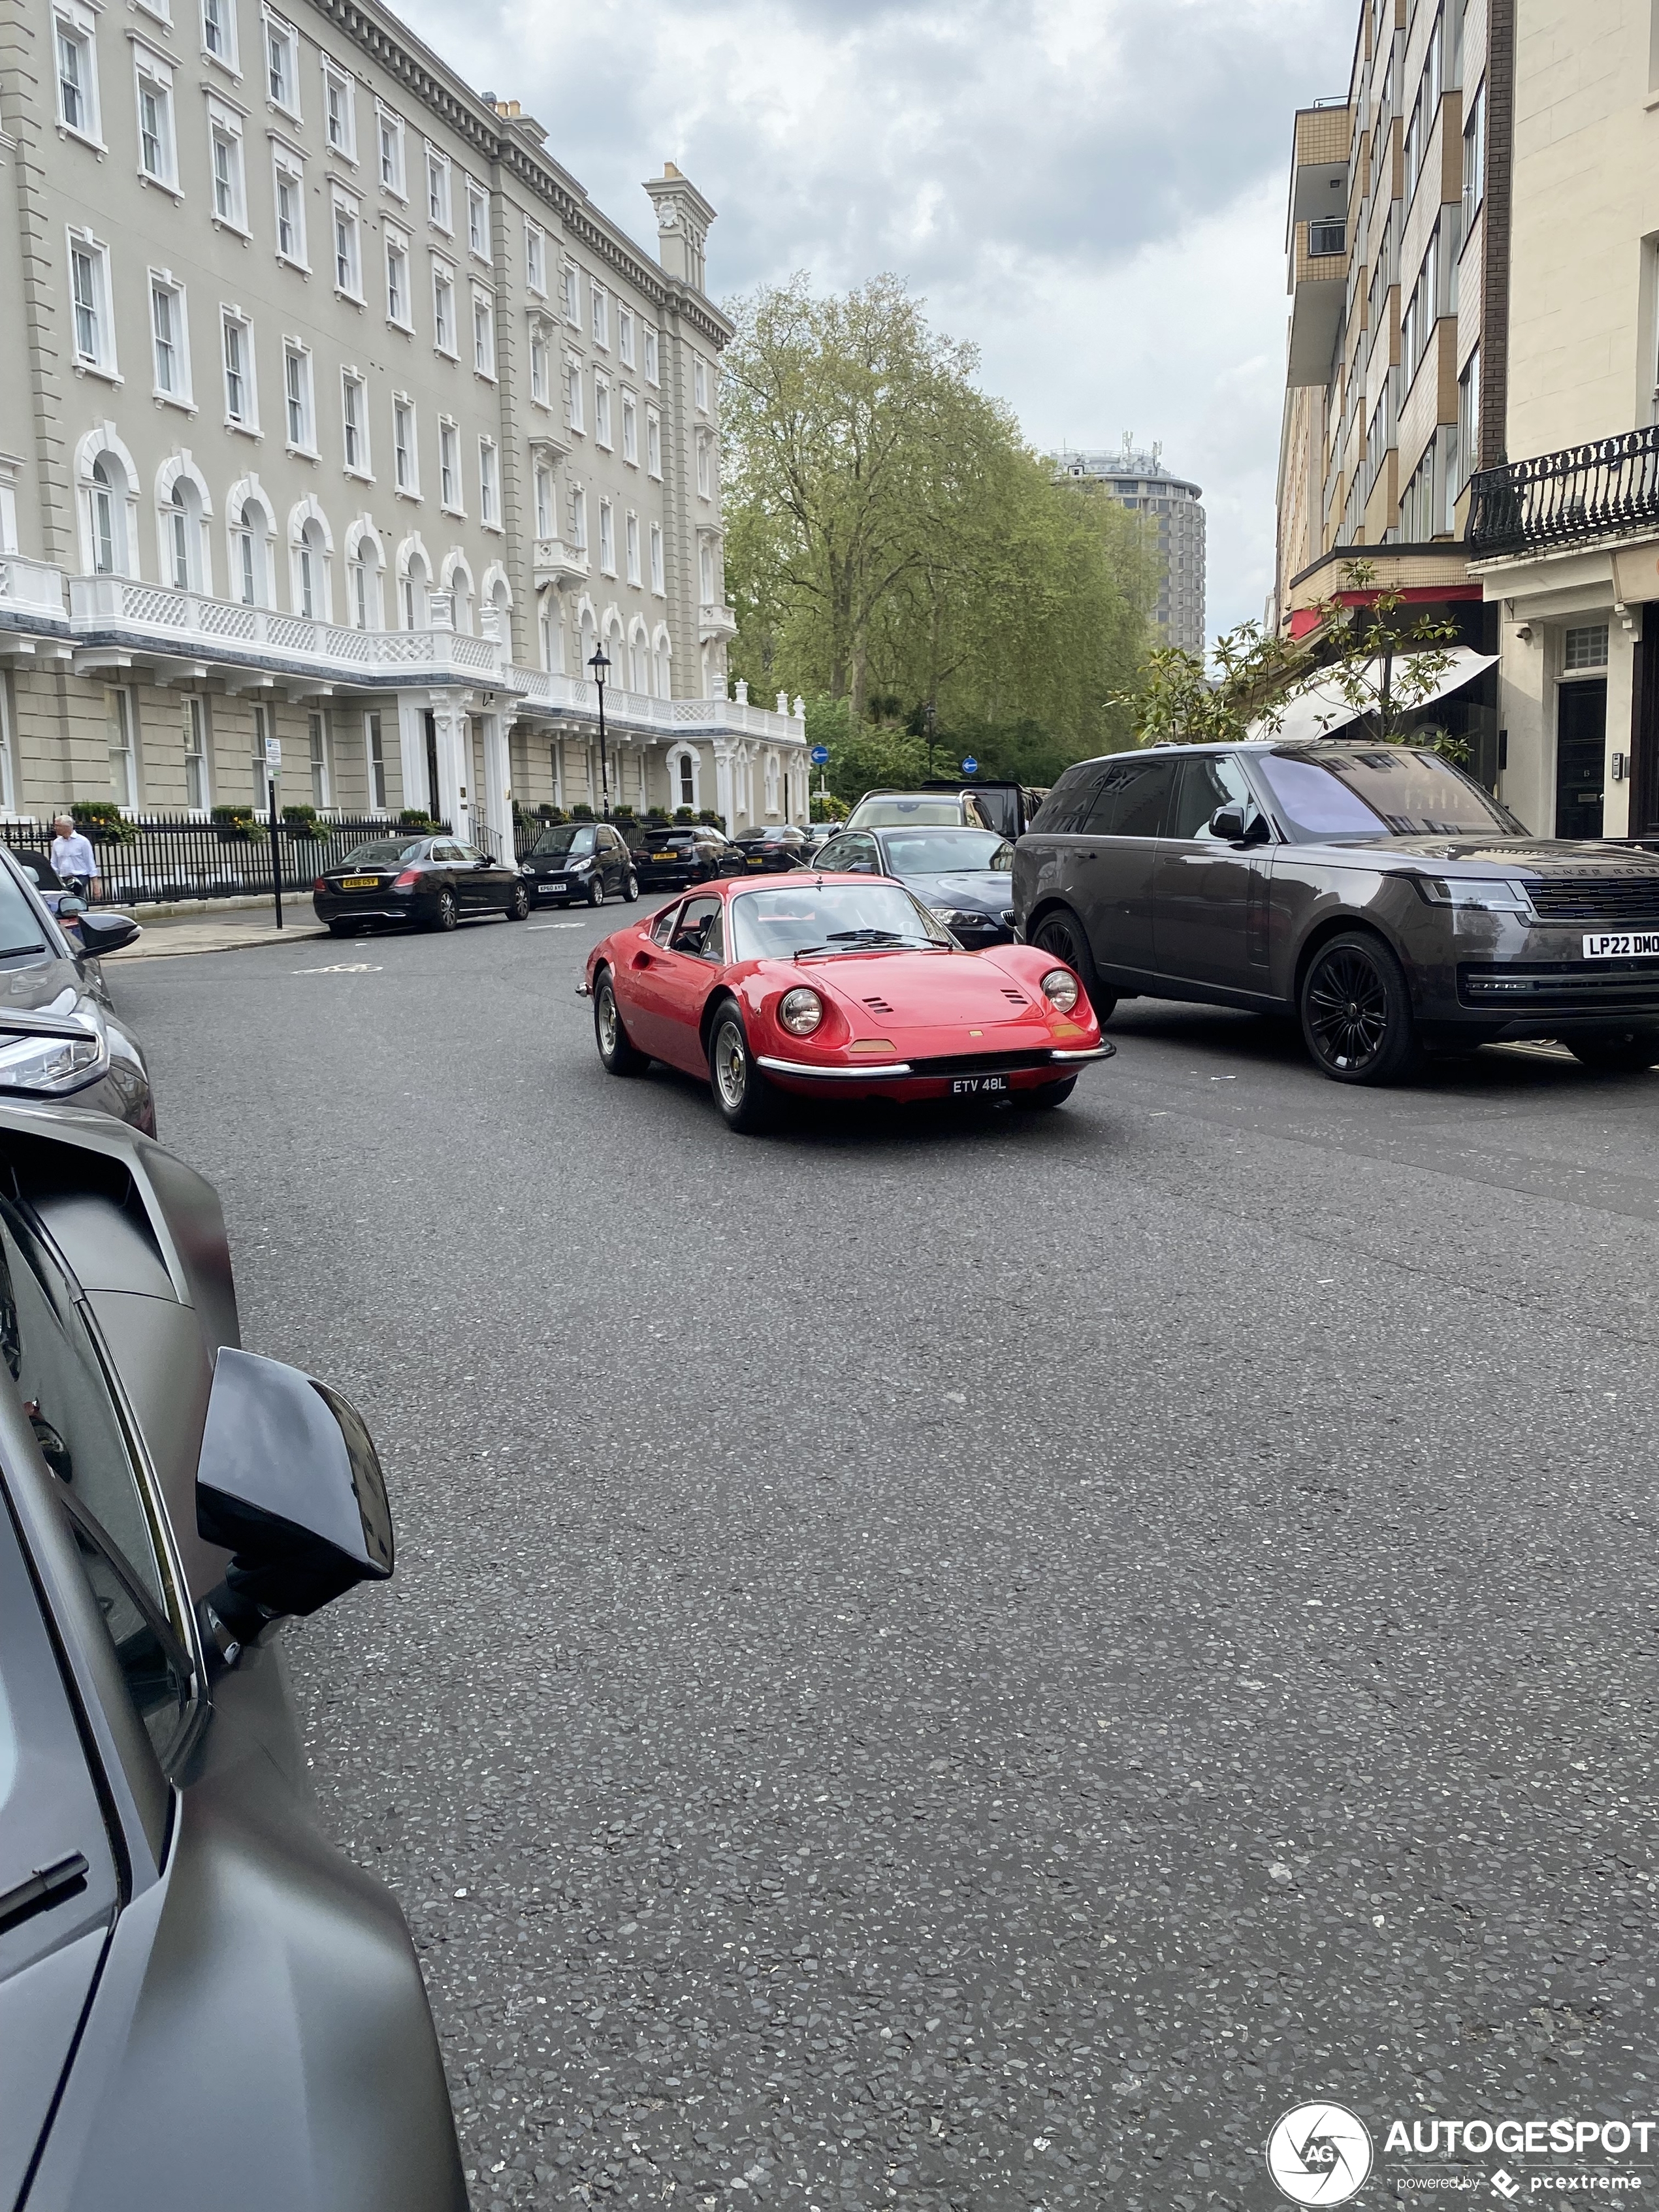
{"points": [[557, 925], [343, 968]]}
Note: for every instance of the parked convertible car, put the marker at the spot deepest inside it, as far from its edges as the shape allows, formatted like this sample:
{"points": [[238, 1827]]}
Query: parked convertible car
{"points": [[204, 2002], [60, 1035], [581, 863], [435, 882], [1371, 890], [963, 877], [835, 986]]}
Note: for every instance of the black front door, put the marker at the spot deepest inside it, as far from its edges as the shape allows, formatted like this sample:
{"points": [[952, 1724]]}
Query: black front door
{"points": [[1581, 740]]}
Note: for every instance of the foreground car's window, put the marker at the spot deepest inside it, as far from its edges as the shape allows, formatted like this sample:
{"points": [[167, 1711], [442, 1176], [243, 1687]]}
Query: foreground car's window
{"points": [[66, 1396], [1390, 791], [840, 918], [940, 855], [20, 926], [385, 853], [699, 933]]}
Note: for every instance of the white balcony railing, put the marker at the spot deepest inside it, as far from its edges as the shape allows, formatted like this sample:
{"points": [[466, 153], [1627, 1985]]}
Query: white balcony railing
{"points": [[126, 615], [31, 585], [185, 623]]}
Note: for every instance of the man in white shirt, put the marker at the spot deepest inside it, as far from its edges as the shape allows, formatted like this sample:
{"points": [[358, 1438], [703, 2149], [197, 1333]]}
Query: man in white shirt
{"points": [[72, 855]]}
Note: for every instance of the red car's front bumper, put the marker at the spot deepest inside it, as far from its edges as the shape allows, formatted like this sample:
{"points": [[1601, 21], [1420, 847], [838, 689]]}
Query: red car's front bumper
{"points": [[976, 1075]]}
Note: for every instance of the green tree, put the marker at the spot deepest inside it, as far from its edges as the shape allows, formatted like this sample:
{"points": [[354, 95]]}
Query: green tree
{"points": [[889, 535], [1381, 668]]}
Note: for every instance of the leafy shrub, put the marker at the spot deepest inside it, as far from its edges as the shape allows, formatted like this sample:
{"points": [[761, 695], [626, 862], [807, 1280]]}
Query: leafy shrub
{"points": [[303, 822], [581, 814], [416, 822], [102, 820], [714, 821], [236, 824]]}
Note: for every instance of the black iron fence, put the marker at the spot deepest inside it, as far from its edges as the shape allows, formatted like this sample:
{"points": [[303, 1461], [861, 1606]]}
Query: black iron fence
{"points": [[165, 857], [1572, 497]]}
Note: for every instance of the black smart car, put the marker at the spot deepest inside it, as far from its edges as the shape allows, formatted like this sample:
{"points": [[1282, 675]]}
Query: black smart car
{"points": [[205, 2002], [963, 876], [437, 882], [581, 863], [668, 856], [1371, 890]]}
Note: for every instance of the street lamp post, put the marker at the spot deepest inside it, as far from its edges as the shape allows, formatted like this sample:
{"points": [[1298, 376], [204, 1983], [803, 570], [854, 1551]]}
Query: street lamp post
{"points": [[599, 664]]}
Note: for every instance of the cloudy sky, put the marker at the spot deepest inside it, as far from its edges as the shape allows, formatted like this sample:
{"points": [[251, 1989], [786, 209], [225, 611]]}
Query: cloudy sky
{"points": [[1092, 191]]}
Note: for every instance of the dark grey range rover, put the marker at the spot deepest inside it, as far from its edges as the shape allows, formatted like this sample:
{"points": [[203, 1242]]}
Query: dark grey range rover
{"points": [[1388, 902]]}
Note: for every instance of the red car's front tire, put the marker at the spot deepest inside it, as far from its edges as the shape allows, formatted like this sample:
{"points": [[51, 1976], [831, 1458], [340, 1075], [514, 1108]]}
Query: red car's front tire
{"points": [[618, 1054], [747, 1100]]}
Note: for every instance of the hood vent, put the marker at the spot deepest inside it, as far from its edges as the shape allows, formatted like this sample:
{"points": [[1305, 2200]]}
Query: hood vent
{"points": [[1015, 998], [878, 1006]]}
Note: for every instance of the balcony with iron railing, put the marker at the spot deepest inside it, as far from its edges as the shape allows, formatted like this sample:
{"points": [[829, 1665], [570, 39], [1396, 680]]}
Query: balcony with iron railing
{"points": [[1580, 495]]}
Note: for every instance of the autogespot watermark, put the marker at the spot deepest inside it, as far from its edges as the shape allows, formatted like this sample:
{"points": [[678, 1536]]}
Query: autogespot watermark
{"points": [[1323, 2153]]}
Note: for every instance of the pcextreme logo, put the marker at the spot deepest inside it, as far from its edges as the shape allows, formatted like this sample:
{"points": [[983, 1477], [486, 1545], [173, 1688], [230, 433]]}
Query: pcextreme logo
{"points": [[1319, 2154]]}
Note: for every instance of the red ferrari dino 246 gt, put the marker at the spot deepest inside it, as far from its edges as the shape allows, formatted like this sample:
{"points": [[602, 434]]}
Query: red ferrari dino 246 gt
{"points": [[835, 985]]}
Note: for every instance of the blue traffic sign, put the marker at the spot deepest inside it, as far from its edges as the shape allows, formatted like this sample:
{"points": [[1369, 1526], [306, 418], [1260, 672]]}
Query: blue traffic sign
{"points": [[819, 756], [970, 766]]}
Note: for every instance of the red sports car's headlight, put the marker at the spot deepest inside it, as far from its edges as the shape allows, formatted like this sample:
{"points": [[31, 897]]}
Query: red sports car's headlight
{"points": [[801, 1011], [1060, 988]]}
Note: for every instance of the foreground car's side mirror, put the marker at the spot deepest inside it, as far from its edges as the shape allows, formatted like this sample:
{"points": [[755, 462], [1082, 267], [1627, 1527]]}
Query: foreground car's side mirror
{"points": [[105, 933], [289, 1484]]}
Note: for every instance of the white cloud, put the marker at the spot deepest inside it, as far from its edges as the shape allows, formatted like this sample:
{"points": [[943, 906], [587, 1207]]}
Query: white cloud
{"points": [[1092, 191]]}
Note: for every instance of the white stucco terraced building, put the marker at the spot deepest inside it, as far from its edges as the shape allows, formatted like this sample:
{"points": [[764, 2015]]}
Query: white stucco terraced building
{"points": [[332, 410]]}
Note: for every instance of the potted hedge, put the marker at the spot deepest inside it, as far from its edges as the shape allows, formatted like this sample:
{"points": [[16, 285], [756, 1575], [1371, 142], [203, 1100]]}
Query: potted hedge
{"points": [[714, 821], [303, 822], [102, 821], [548, 812], [581, 814], [236, 825], [416, 823]]}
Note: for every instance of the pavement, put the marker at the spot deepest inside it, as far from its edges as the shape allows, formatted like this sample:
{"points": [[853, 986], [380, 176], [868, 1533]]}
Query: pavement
{"points": [[167, 937], [954, 1663]]}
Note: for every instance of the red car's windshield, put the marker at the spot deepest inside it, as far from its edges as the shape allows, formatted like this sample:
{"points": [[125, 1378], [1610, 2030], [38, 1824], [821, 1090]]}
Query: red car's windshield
{"points": [[778, 924]]}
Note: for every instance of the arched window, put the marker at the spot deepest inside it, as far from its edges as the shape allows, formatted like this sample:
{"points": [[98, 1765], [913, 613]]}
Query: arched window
{"points": [[771, 783], [364, 567], [311, 571], [183, 528], [459, 577], [688, 781], [501, 606], [249, 565], [590, 635], [662, 665], [412, 589], [109, 516], [639, 661]]}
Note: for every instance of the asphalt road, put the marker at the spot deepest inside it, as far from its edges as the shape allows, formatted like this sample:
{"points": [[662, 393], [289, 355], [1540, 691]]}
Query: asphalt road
{"points": [[968, 1662]]}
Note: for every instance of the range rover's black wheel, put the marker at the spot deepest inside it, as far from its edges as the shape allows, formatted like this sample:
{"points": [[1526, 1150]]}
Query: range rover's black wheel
{"points": [[1061, 934], [1356, 1019], [1617, 1052]]}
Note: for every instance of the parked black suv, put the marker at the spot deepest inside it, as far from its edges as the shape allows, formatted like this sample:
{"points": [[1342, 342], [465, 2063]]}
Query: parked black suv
{"points": [[1371, 889], [671, 856]]}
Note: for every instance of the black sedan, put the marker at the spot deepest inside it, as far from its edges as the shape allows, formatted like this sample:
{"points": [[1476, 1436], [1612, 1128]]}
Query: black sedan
{"points": [[436, 882], [773, 850], [196, 1983], [671, 856], [965, 876], [581, 863]]}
